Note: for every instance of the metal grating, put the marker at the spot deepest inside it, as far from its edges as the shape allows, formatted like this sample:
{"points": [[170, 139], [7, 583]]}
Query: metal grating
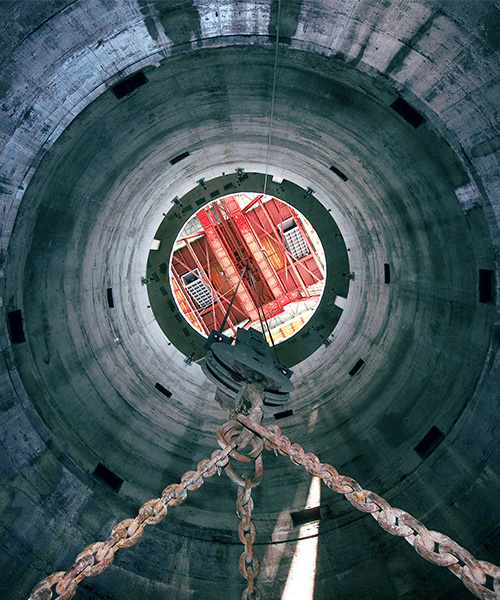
{"points": [[295, 243], [199, 292]]}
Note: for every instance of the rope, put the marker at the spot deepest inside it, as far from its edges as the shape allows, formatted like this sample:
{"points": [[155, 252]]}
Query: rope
{"points": [[273, 95]]}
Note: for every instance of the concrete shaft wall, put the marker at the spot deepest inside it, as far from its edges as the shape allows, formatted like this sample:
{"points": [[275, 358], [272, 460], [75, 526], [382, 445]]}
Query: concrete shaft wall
{"points": [[85, 181]]}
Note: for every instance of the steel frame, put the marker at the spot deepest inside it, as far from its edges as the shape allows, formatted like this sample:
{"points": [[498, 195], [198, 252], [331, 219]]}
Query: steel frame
{"points": [[229, 236]]}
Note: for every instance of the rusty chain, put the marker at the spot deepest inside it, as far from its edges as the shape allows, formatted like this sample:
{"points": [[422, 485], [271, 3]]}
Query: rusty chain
{"points": [[249, 563], [252, 400], [431, 545], [233, 439], [98, 556]]}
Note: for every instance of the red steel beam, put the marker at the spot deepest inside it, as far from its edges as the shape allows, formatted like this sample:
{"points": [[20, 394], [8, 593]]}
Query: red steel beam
{"points": [[226, 263], [207, 279], [253, 243], [254, 201], [219, 297], [207, 258], [285, 251], [190, 236]]}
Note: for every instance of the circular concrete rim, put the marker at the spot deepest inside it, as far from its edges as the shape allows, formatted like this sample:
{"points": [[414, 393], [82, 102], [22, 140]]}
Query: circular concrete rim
{"points": [[456, 439], [252, 196], [141, 365], [324, 320]]}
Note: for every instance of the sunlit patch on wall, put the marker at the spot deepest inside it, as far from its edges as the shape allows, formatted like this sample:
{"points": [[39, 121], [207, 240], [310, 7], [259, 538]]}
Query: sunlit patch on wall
{"points": [[300, 581]]}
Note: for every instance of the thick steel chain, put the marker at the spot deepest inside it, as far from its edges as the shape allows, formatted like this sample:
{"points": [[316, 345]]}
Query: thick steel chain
{"points": [[249, 563], [431, 545], [98, 556]]}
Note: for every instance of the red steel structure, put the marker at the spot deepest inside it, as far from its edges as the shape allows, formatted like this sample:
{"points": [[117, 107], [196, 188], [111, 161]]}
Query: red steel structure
{"points": [[258, 232]]}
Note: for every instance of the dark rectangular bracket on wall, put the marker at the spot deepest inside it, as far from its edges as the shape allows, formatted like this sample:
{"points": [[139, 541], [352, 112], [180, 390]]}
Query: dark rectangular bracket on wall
{"points": [[111, 302], [179, 157], [283, 414], [107, 477], [429, 442], [339, 173], [308, 515], [16, 330], [387, 273], [486, 285], [409, 114], [128, 85], [356, 367], [163, 390]]}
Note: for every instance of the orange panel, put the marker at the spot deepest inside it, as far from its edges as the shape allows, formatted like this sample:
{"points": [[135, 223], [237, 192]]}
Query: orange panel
{"points": [[274, 252], [219, 280], [287, 330]]}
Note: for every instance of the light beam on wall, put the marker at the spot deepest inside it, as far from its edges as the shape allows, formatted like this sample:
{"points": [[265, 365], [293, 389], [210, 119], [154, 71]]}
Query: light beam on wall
{"points": [[300, 581]]}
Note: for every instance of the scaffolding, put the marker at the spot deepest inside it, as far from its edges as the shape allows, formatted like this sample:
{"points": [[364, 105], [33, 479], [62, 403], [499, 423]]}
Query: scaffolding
{"points": [[285, 270]]}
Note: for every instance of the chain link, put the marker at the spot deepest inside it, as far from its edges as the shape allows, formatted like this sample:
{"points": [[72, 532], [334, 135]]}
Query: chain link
{"points": [[232, 430], [98, 556], [431, 545], [249, 563]]}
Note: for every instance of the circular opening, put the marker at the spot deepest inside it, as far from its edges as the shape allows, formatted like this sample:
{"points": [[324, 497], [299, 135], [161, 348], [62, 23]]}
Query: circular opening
{"points": [[189, 340], [248, 260]]}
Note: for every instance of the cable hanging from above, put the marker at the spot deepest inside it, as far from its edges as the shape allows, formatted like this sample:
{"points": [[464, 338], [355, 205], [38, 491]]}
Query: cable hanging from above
{"points": [[273, 95]]}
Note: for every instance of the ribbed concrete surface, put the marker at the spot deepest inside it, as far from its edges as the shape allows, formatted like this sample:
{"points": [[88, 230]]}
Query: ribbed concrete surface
{"points": [[85, 180]]}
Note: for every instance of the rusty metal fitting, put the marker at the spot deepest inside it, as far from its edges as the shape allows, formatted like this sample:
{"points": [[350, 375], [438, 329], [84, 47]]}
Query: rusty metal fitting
{"points": [[256, 595], [240, 480], [233, 432]]}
